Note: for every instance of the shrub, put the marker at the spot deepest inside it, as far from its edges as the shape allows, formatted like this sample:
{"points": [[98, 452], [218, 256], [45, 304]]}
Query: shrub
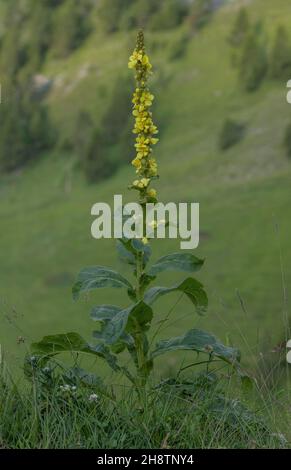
{"points": [[25, 130], [40, 28], [71, 27], [128, 14], [179, 48], [280, 60], [95, 162], [170, 14], [117, 114], [200, 13], [253, 64], [111, 12], [101, 151], [240, 28], [232, 132], [13, 54]]}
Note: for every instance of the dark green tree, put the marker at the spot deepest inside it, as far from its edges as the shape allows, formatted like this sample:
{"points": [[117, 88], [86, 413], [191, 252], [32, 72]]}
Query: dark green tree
{"points": [[71, 26], [13, 54], [240, 28], [254, 63], [95, 161], [110, 13], [280, 60], [25, 130], [168, 15], [232, 132], [103, 150], [40, 29]]}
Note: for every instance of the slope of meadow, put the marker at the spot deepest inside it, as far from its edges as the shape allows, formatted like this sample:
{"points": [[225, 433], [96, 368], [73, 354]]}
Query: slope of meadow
{"points": [[244, 193]]}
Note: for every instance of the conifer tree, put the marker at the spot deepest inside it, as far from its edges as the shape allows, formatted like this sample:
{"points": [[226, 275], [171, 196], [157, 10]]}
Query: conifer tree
{"points": [[280, 61]]}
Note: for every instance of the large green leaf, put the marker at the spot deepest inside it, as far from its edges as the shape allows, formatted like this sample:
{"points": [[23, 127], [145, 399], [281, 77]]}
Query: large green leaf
{"points": [[126, 320], [104, 312], [199, 341], [71, 342], [191, 287], [94, 277], [177, 261]]}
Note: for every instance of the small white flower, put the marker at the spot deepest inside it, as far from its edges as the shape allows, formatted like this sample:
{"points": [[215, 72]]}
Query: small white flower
{"points": [[68, 388], [93, 397]]}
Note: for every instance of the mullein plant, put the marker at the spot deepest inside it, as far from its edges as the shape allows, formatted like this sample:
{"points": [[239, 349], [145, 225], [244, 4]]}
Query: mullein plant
{"points": [[128, 328]]}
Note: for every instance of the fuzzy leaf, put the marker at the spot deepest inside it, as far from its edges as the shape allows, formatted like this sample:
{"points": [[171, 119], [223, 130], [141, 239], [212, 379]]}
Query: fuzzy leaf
{"points": [[94, 277], [178, 262], [71, 342], [125, 320], [104, 312], [199, 341], [191, 287]]}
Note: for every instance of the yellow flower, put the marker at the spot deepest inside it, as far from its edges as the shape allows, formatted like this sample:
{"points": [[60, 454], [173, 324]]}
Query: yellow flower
{"points": [[136, 57], [145, 181], [152, 192], [153, 224], [144, 128], [141, 184], [136, 163], [145, 240]]}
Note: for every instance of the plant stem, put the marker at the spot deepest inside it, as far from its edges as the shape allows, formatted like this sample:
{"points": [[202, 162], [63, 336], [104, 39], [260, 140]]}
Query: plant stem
{"points": [[138, 336]]}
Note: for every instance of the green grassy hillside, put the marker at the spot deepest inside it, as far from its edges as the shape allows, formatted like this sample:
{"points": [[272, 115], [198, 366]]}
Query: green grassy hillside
{"points": [[244, 193]]}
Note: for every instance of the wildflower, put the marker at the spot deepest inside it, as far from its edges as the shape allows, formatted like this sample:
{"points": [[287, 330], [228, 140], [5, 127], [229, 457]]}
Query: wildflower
{"points": [[141, 184], [137, 164], [93, 397], [69, 389], [152, 193], [145, 240], [144, 163]]}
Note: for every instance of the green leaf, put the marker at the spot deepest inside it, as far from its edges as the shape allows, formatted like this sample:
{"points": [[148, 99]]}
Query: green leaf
{"points": [[129, 249], [178, 262], [199, 341], [125, 320], [140, 315], [191, 287], [104, 312], [94, 277], [86, 378], [126, 252], [71, 342]]}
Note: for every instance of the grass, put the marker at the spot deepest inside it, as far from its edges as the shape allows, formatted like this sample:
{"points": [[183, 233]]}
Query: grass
{"points": [[197, 413]]}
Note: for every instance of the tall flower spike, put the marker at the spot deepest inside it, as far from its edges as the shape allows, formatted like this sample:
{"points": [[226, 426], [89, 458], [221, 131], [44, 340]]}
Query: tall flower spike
{"points": [[144, 128]]}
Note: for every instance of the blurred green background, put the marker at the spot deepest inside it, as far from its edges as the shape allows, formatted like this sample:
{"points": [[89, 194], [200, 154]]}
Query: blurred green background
{"points": [[220, 75]]}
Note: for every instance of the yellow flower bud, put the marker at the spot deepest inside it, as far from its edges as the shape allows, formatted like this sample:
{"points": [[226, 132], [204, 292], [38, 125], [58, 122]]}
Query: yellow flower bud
{"points": [[152, 193]]}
